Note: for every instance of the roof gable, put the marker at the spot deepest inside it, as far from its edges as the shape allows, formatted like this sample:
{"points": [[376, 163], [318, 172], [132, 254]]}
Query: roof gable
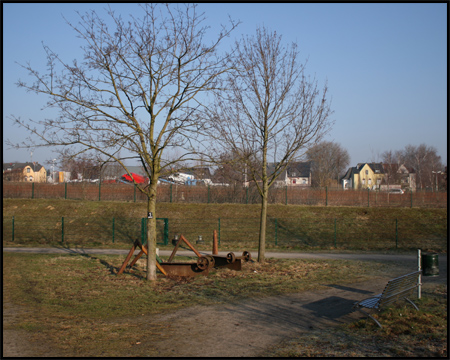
{"points": [[20, 166]]}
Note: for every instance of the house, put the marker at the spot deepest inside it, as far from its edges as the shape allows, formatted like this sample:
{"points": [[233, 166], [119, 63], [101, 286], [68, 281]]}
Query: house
{"points": [[296, 174], [363, 176], [399, 175], [30, 172]]}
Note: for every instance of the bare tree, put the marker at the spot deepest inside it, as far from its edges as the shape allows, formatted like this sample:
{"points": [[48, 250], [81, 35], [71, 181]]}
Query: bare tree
{"points": [[424, 160], [391, 163], [136, 91], [329, 161], [269, 103]]}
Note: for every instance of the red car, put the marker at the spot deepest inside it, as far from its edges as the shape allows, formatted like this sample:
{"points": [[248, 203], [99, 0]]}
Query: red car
{"points": [[138, 178]]}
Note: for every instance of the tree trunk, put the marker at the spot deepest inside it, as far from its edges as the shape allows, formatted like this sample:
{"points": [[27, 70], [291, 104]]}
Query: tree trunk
{"points": [[262, 224], [151, 233]]}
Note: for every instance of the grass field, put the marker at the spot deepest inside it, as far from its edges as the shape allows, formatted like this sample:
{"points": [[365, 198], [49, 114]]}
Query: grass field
{"points": [[77, 306], [41, 222]]}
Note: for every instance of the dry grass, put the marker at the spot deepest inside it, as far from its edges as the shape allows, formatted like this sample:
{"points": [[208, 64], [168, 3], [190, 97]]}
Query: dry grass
{"points": [[79, 307], [89, 223], [405, 333]]}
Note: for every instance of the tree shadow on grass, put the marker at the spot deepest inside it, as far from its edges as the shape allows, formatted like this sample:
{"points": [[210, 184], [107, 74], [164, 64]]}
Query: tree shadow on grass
{"points": [[81, 251]]}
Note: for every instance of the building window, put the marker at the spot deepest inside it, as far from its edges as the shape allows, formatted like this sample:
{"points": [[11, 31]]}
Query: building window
{"points": [[370, 182], [294, 181], [364, 181], [28, 170], [367, 172], [305, 181]]}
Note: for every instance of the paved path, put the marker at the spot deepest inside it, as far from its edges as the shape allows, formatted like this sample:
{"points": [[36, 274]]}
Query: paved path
{"points": [[279, 255]]}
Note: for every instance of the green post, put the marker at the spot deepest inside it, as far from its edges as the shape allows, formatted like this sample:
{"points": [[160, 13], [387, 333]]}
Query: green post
{"points": [[396, 233], [326, 195], [13, 228], [219, 231], [143, 231], [65, 190], [285, 190], [99, 190], [276, 231], [32, 190], [113, 230], [335, 233], [62, 230], [170, 192], [166, 231]]}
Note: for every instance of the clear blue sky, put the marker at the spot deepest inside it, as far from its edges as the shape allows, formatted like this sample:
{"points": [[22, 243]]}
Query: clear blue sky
{"points": [[386, 65]]}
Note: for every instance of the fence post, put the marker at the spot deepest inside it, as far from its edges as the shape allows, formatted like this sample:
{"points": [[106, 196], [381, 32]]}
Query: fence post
{"points": [[143, 231], [396, 233], [166, 231], [335, 235], [113, 230], [62, 230], [32, 190], [13, 228], [276, 231], [219, 231]]}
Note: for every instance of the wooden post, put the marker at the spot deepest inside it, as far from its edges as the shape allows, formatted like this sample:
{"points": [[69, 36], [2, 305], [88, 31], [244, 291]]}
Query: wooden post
{"points": [[130, 254], [215, 249]]}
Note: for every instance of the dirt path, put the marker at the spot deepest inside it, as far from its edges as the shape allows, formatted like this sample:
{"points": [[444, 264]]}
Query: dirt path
{"points": [[249, 327]]}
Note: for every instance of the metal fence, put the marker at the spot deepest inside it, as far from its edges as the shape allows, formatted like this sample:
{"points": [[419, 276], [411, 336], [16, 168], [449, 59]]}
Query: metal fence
{"points": [[225, 194], [238, 234]]}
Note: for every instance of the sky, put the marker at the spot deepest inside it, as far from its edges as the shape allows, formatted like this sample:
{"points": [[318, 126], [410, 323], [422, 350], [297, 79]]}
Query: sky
{"points": [[385, 65]]}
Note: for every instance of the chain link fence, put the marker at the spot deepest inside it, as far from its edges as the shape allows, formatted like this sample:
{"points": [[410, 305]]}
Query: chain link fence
{"points": [[225, 194], [236, 234]]}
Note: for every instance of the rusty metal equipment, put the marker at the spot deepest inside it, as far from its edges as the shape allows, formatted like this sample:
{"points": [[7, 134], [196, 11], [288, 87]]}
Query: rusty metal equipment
{"points": [[202, 266]]}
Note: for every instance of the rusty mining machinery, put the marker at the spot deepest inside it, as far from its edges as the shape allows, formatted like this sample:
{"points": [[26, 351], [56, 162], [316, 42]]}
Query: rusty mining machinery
{"points": [[202, 266]]}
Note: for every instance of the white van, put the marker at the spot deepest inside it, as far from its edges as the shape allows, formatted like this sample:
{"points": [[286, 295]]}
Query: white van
{"points": [[396, 191]]}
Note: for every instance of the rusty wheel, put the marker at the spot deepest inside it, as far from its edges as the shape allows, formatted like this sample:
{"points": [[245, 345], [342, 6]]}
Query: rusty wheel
{"points": [[202, 263], [246, 255], [231, 258], [211, 260]]}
